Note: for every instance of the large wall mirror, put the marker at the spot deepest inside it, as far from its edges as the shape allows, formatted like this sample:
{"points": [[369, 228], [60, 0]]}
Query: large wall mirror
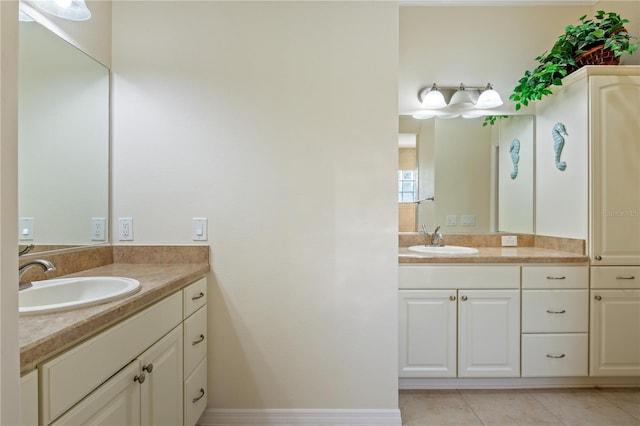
{"points": [[63, 143], [466, 178]]}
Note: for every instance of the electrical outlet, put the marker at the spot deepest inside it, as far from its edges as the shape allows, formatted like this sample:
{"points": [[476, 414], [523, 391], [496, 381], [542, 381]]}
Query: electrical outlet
{"points": [[452, 220], [125, 229], [509, 241], [98, 228]]}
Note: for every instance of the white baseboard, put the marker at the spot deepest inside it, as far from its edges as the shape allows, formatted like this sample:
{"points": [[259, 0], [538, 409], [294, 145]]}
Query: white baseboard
{"points": [[220, 417], [518, 382]]}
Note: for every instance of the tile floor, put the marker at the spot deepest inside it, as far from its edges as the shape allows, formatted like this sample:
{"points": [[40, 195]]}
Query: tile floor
{"points": [[602, 407]]}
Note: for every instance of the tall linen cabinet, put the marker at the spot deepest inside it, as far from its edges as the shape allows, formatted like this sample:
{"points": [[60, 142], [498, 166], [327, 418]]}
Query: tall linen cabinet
{"points": [[588, 187]]}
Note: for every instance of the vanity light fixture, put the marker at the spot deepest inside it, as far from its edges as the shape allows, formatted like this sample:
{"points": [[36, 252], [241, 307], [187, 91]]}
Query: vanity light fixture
{"points": [[463, 100], [73, 10]]}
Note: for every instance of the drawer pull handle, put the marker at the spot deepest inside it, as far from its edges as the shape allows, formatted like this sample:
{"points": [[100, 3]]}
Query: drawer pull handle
{"points": [[625, 278], [147, 368], [556, 356], [200, 340], [199, 397], [549, 277], [140, 379], [549, 311], [200, 296]]}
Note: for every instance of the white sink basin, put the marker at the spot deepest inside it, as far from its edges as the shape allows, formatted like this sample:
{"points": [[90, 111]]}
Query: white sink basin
{"points": [[450, 250], [70, 293]]}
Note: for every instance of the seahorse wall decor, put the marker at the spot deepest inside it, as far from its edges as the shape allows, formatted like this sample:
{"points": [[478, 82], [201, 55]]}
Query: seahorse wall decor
{"points": [[514, 150], [558, 134]]}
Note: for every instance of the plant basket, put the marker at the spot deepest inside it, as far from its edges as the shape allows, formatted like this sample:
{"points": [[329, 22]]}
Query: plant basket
{"points": [[597, 55]]}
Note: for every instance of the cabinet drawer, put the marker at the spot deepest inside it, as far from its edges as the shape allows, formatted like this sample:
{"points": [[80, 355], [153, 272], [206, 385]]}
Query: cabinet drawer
{"points": [[195, 394], [615, 277], [455, 277], [195, 296], [555, 311], [195, 341], [550, 355], [69, 377], [554, 277]]}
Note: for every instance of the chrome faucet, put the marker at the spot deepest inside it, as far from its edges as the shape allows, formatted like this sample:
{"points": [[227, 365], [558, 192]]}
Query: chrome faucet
{"points": [[44, 264], [436, 237]]}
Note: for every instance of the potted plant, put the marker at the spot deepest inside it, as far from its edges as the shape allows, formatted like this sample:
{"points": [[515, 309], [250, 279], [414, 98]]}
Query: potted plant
{"points": [[598, 41]]}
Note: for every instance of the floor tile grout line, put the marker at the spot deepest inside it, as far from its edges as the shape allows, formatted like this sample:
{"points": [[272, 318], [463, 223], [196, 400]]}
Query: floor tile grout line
{"points": [[470, 407], [555, 416], [615, 402]]}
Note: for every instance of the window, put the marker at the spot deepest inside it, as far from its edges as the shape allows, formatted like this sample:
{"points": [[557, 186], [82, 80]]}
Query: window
{"points": [[407, 186]]}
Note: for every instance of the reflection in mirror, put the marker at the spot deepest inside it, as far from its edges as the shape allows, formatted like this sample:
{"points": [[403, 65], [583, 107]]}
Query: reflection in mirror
{"points": [[464, 175], [63, 144]]}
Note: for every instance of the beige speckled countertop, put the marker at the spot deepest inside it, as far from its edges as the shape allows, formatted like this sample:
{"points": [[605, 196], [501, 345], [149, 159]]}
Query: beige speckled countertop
{"points": [[495, 255], [42, 336]]}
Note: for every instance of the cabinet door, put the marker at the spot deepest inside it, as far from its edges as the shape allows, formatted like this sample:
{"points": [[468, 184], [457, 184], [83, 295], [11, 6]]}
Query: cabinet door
{"points": [[161, 392], [615, 138], [427, 333], [29, 399], [115, 402], [489, 333], [615, 333]]}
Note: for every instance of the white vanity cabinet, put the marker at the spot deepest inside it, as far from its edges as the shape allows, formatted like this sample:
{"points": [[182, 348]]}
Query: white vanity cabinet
{"points": [[195, 351], [555, 321], [459, 321], [615, 321], [96, 382]]}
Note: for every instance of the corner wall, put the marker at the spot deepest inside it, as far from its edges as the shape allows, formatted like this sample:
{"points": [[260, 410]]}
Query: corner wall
{"points": [[277, 121]]}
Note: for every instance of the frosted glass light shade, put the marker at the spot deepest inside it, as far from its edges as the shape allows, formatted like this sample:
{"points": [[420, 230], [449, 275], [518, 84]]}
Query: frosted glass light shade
{"points": [[489, 99], [433, 99], [423, 115], [74, 10], [23, 17]]}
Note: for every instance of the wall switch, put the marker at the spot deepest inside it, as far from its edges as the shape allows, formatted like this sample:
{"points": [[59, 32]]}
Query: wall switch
{"points": [[199, 226], [468, 220], [98, 228], [25, 229], [125, 229], [509, 241], [452, 220]]}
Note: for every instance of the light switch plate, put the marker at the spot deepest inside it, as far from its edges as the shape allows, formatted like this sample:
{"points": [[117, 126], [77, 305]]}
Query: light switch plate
{"points": [[25, 229], [509, 241], [468, 220], [452, 220], [199, 229]]}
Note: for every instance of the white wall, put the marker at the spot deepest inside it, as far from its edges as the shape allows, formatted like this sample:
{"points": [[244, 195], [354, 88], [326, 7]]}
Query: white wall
{"points": [[278, 122], [9, 358]]}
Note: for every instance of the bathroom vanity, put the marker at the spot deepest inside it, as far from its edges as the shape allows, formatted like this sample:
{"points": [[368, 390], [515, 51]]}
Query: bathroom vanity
{"points": [[138, 360]]}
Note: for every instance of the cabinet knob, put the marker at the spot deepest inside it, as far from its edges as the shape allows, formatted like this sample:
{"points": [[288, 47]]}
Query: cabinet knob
{"points": [[147, 368], [140, 379], [452, 298], [199, 296], [199, 397], [198, 340], [463, 298], [598, 297], [598, 257]]}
